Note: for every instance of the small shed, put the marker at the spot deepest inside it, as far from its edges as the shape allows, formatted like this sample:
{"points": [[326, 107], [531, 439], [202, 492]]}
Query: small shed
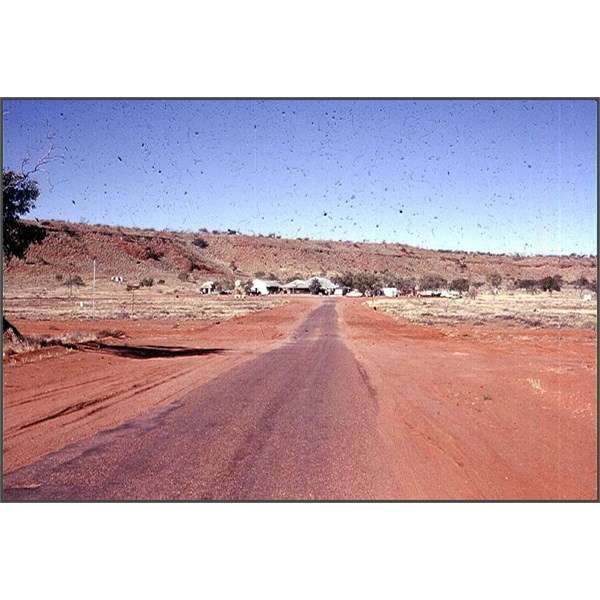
{"points": [[390, 292], [208, 287]]}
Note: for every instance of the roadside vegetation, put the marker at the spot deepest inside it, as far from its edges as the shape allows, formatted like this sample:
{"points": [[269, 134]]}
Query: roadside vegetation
{"points": [[31, 343], [518, 308], [157, 302]]}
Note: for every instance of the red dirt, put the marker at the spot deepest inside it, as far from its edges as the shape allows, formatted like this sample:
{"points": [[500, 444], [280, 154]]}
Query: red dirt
{"points": [[461, 412], [485, 412], [67, 395]]}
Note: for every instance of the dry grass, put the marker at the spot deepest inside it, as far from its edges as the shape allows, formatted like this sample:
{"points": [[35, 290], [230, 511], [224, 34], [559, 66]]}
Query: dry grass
{"points": [[148, 303], [31, 343], [564, 309]]}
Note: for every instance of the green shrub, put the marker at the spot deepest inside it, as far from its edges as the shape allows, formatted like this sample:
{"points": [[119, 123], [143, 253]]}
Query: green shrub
{"points": [[433, 282], [460, 285], [405, 285], [527, 284], [315, 286], [494, 280], [551, 284]]}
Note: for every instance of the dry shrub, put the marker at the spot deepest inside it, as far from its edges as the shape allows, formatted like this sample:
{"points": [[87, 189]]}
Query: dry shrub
{"points": [[31, 343]]}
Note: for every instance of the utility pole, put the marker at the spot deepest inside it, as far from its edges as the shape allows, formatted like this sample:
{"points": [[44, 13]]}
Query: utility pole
{"points": [[94, 292]]}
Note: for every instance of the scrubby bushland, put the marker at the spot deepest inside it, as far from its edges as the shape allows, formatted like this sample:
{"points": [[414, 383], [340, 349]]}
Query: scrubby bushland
{"points": [[433, 282], [200, 242], [147, 282], [153, 254], [494, 280], [405, 285], [583, 283], [345, 280], [527, 284], [460, 285], [367, 282], [551, 283]]}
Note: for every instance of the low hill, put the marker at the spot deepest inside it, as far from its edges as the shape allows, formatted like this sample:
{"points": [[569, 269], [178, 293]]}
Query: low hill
{"points": [[176, 257]]}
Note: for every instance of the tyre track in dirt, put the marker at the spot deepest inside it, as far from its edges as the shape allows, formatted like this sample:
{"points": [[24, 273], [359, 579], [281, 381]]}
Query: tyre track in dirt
{"points": [[49, 404], [296, 423]]}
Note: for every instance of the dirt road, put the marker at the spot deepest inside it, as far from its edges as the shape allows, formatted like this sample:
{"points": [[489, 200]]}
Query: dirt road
{"points": [[340, 402], [299, 422]]}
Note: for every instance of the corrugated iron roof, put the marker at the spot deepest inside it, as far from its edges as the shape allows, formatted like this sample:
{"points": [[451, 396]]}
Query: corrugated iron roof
{"points": [[297, 284], [267, 282], [325, 283]]}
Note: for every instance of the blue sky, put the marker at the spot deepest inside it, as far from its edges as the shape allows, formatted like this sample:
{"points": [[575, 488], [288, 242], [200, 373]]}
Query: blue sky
{"points": [[492, 176]]}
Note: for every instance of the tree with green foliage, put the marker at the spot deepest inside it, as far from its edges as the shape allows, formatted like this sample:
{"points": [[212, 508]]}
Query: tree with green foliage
{"points": [[345, 280], [585, 284], [531, 285], [19, 194], [551, 283], [405, 285], [366, 282], [315, 286]]}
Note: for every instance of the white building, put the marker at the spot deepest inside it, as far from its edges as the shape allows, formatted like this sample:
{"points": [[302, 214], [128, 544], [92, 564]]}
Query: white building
{"points": [[390, 292], [302, 286], [265, 286], [208, 287], [298, 286]]}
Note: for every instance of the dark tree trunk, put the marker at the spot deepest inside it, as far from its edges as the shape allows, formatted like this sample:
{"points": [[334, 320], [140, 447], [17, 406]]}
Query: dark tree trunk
{"points": [[8, 327]]}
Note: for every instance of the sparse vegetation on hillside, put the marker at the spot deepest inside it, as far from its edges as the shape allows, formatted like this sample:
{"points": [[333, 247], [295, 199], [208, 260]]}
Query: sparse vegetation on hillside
{"points": [[137, 254]]}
